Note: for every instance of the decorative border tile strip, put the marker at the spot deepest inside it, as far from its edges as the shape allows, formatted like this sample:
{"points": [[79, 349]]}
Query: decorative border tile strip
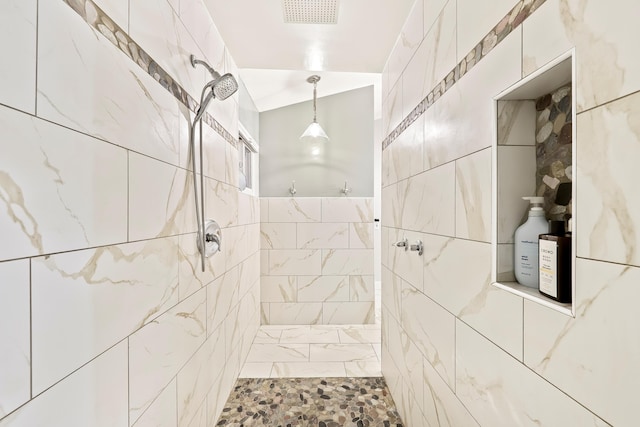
{"points": [[510, 22], [96, 18]]}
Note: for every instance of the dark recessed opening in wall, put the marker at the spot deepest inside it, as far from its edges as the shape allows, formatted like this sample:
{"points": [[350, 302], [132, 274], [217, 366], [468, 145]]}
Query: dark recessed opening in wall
{"points": [[533, 155]]}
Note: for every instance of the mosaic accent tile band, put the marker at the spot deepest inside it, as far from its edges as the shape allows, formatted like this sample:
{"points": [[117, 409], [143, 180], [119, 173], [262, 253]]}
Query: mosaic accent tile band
{"points": [[511, 21], [99, 20], [317, 402]]}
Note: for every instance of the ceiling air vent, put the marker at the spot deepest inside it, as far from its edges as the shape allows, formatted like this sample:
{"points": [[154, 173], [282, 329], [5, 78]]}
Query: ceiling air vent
{"points": [[310, 11]]}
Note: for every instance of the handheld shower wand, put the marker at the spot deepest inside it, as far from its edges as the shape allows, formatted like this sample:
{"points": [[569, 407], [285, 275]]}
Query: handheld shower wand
{"points": [[220, 87]]}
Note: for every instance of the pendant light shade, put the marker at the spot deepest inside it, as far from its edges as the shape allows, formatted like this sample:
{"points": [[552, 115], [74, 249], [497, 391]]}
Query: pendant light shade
{"points": [[314, 132]]}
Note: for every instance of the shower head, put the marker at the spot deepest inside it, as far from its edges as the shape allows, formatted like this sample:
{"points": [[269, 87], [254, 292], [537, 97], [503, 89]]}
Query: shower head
{"points": [[220, 87]]}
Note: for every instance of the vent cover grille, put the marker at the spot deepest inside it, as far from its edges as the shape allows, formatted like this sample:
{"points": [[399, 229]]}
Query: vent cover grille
{"points": [[310, 11]]}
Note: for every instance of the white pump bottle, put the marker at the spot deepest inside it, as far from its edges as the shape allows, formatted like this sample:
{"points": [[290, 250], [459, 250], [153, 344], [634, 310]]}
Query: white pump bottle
{"points": [[526, 243]]}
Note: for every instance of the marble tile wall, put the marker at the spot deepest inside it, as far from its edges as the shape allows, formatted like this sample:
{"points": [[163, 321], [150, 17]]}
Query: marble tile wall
{"points": [[317, 260], [488, 357], [105, 315]]}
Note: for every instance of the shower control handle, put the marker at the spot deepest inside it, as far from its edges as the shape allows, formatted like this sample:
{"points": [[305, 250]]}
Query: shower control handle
{"points": [[402, 244], [211, 237], [417, 247]]}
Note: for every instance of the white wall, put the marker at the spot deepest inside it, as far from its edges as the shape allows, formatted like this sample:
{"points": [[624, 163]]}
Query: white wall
{"points": [[105, 318], [456, 350]]}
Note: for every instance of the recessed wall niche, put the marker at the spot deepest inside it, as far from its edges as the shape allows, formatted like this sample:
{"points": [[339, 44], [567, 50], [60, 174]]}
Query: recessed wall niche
{"points": [[533, 154]]}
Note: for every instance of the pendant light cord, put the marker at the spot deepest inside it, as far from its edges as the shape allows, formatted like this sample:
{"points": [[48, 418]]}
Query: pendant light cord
{"points": [[314, 101]]}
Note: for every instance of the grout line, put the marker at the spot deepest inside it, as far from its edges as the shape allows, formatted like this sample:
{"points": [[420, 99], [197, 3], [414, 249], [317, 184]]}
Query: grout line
{"points": [[30, 329], [35, 109]]}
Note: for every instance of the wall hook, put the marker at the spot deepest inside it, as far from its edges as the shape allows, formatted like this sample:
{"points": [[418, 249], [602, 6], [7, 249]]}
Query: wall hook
{"points": [[292, 189]]}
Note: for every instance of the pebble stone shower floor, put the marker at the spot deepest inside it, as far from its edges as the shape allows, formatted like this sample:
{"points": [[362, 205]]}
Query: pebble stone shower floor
{"points": [[310, 402]]}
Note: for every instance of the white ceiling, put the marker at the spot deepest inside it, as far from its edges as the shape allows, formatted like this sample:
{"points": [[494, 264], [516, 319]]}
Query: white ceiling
{"points": [[275, 58]]}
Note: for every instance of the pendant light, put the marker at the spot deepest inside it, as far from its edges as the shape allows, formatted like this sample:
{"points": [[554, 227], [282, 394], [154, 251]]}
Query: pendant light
{"points": [[314, 132]]}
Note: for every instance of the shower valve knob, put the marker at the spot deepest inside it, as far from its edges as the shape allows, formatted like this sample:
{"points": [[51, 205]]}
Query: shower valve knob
{"points": [[402, 244], [418, 247]]}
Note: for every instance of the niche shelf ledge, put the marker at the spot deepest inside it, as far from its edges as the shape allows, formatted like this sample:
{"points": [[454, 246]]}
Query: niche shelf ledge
{"points": [[533, 295]]}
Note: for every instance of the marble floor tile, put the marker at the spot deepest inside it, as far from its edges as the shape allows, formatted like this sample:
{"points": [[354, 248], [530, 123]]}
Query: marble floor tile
{"points": [[308, 369], [268, 336]]}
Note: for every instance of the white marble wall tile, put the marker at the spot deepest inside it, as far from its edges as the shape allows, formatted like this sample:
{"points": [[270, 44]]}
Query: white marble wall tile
{"points": [[386, 247], [213, 150], [221, 201], [440, 406], [15, 329], [341, 353], [516, 173], [362, 288], [348, 313], [407, 43], [148, 18], [53, 202], [95, 395], [473, 196], [357, 334], [193, 384], [489, 383], [392, 293], [103, 295], [265, 313], [323, 288], [432, 10], [117, 10], [461, 121], [278, 289], [159, 350], [475, 20], [226, 113], [232, 172], [361, 235], [429, 201], [308, 369], [222, 297], [247, 209], [295, 262], [309, 334], [279, 353], [608, 200], [347, 261], [322, 236], [309, 313], [347, 209], [256, 370], [392, 109], [434, 59], [516, 122], [409, 360], [249, 273], [86, 83], [603, 40], [405, 154], [192, 278], [163, 412], [18, 41], [432, 330], [160, 199], [592, 357], [198, 22], [200, 419], [264, 210], [465, 290], [295, 210], [239, 243], [278, 235]]}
